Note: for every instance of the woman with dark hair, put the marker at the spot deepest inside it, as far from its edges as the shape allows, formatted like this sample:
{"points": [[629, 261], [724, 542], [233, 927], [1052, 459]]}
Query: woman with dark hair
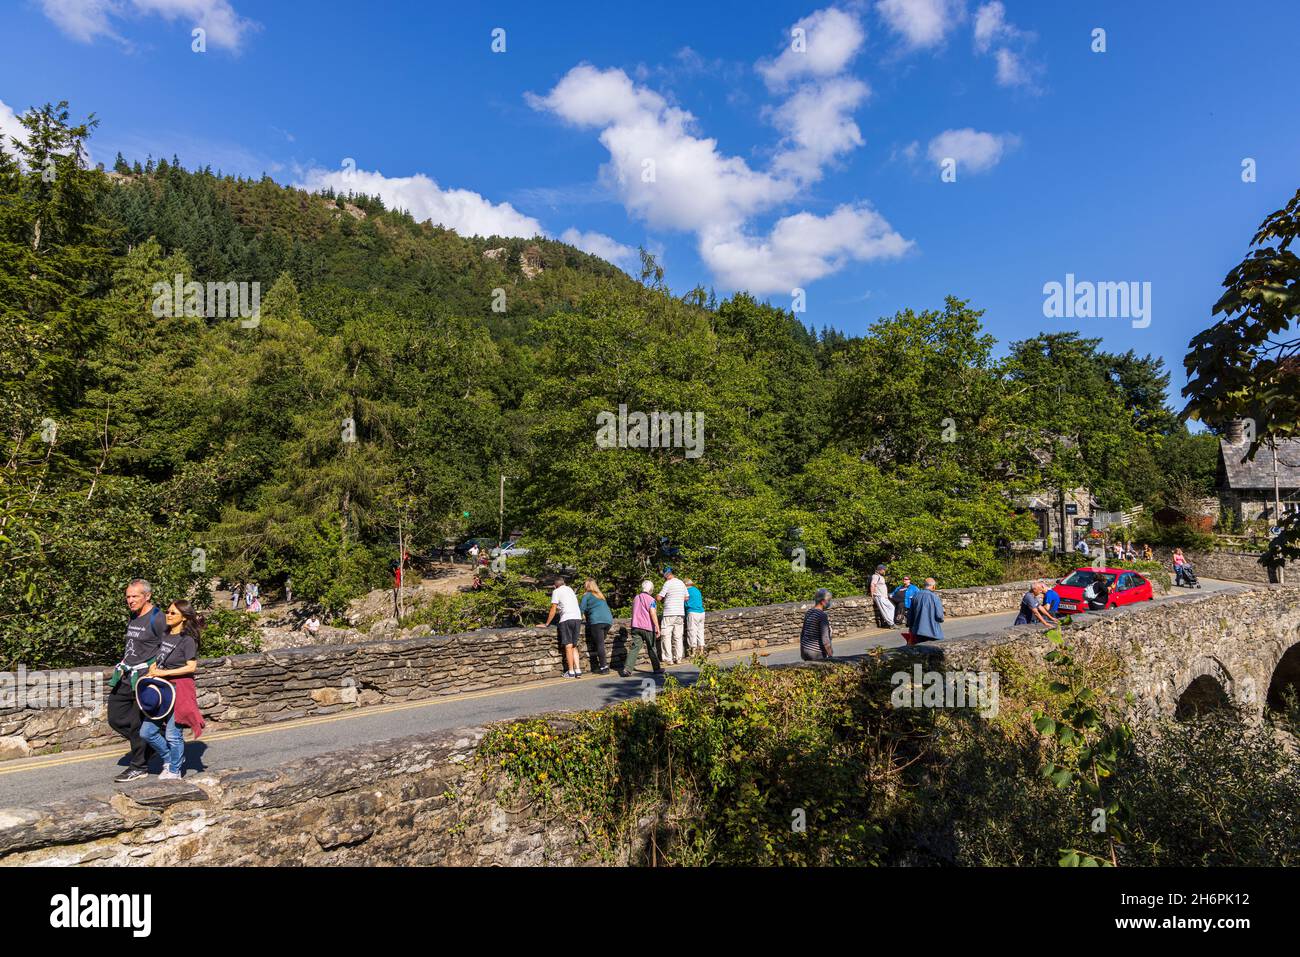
{"points": [[177, 662]]}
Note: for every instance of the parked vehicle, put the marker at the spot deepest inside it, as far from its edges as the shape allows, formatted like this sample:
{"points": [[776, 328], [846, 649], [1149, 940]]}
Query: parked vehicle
{"points": [[510, 549], [1123, 587]]}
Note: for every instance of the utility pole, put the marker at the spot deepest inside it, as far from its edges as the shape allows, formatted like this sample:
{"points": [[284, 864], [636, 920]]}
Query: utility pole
{"points": [[1277, 506], [501, 512], [398, 604], [1060, 545]]}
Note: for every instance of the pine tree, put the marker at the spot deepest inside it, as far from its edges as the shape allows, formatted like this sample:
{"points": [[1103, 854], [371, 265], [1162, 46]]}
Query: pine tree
{"points": [[53, 262]]}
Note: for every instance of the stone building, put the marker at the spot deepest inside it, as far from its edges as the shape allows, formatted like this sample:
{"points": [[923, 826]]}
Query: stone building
{"points": [[1246, 489], [1045, 509]]}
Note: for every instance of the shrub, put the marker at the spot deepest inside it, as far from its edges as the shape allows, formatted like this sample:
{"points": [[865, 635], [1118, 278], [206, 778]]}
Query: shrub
{"points": [[503, 601], [813, 765], [229, 632]]}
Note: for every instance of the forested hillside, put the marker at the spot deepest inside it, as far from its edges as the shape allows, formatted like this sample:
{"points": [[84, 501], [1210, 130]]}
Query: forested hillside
{"points": [[396, 370]]}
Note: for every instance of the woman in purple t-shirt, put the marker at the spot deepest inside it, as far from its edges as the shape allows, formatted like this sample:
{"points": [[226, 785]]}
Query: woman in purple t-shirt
{"points": [[645, 629]]}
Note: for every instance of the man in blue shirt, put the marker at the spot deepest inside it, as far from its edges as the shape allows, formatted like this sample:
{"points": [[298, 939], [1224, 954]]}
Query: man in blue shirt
{"points": [[1051, 602], [902, 599]]}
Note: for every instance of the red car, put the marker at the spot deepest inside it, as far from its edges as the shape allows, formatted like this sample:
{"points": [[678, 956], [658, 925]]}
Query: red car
{"points": [[1124, 587]]}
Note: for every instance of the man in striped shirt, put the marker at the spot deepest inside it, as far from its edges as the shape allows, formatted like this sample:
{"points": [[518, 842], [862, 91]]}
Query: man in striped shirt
{"points": [[815, 638]]}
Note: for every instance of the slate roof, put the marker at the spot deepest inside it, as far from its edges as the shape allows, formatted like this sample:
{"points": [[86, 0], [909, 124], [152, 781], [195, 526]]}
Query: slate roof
{"points": [[1258, 473]]}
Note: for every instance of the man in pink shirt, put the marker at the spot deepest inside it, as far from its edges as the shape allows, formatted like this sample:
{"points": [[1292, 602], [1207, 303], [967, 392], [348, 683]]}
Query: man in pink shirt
{"points": [[645, 629]]}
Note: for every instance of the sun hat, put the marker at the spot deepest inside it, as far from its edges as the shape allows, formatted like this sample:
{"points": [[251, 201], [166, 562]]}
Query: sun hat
{"points": [[156, 698]]}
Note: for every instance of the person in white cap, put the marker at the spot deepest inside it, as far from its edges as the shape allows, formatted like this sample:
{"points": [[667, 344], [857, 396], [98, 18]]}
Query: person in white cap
{"points": [[673, 621]]}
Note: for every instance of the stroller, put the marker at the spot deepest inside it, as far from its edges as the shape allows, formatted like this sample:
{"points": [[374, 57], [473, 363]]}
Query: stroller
{"points": [[1185, 577]]}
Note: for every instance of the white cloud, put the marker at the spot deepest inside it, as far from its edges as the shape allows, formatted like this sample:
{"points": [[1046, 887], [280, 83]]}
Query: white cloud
{"points": [[991, 26], [598, 244], [801, 248], [992, 30], [975, 152], [9, 126], [818, 124], [1011, 69], [84, 20], [695, 188], [921, 23], [816, 120], [465, 211], [658, 168], [909, 152], [831, 38]]}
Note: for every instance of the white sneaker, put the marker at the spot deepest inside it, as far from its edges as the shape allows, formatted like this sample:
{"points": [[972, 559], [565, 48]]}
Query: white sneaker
{"points": [[169, 775]]}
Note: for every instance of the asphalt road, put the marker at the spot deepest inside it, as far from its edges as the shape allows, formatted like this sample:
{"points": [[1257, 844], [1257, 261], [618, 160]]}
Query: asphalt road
{"points": [[84, 773]]}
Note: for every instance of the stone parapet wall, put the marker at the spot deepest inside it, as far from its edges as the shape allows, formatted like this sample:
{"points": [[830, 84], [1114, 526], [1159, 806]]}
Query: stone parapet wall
{"points": [[289, 683], [411, 801], [1224, 565]]}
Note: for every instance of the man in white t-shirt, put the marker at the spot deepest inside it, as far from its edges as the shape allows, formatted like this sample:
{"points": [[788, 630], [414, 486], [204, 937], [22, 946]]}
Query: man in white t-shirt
{"points": [[564, 601], [672, 623]]}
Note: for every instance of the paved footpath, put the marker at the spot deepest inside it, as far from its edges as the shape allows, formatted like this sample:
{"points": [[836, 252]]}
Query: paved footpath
{"points": [[83, 773]]}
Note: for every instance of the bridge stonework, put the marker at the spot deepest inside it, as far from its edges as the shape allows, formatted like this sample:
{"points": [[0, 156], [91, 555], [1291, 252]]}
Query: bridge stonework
{"points": [[1236, 638]]}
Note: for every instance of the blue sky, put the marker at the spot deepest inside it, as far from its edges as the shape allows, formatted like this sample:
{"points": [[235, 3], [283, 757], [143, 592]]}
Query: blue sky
{"points": [[774, 167]]}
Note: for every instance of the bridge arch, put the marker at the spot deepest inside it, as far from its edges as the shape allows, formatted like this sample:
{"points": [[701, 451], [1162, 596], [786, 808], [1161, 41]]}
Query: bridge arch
{"points": [[1207, 686], [1201, 697], [1285, 676]]}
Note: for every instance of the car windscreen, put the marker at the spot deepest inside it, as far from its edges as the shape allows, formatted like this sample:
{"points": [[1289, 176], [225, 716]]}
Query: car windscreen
{"points": [[1082, 579]]}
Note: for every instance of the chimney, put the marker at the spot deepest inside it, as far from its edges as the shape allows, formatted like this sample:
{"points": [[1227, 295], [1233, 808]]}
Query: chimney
{"points": [[1235, 432]]}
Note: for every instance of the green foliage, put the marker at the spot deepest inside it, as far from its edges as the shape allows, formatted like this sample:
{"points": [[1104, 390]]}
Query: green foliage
{"points": [[228, 632], [1245, 365], [751, 766], [1086, 749], [68, 561], [503, 601], [725, 771], [1159, 574], [1219, 791], [1173, 535]]}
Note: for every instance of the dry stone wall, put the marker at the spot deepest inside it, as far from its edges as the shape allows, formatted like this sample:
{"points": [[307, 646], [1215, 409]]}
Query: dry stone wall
{"points": [[1221, 564], [410, 801]]}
